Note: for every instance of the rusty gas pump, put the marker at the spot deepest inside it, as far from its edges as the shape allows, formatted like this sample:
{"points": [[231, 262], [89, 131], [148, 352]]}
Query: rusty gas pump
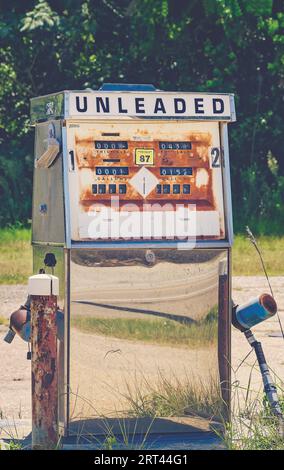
{"points": [[132, 202]]}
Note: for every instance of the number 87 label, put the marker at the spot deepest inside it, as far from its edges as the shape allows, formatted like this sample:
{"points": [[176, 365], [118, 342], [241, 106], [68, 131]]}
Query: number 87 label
{"points": [[144, 156]]}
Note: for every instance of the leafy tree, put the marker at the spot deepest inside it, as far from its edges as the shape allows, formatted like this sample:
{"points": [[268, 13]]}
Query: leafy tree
{"points": [[210, 45]]}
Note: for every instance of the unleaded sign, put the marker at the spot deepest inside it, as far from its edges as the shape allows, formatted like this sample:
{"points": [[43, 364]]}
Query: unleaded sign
{"points": [[152, 105]]}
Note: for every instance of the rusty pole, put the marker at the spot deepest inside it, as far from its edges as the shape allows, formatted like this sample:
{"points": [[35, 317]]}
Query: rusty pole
{"points": [[43, 291]]}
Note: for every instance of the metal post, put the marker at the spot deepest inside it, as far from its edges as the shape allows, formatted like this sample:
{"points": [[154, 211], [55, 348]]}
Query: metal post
{"points": [[43, 291], [223, 333]]}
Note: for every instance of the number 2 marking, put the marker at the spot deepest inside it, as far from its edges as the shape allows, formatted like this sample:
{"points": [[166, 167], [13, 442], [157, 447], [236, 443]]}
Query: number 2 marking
{"points": [[215, 157]]}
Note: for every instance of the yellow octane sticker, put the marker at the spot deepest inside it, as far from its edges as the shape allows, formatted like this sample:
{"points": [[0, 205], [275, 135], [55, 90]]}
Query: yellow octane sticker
{"points": [[144, 156]]}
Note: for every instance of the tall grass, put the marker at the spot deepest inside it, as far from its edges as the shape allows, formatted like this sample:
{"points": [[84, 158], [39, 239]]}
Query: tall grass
{"points": [[15, 233], [246, 260], [189, 396], [143, 403], [253, 433], [253, 426], [15, 255]]}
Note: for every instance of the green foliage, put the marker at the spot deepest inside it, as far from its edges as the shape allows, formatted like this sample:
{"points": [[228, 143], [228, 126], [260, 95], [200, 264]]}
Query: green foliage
{"points": [[213, 45], [253, 425], [41, 16], [246, 261], [110, 443], [15, 268], [11, 445]]}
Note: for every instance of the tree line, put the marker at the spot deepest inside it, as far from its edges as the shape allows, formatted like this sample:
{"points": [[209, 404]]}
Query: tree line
{"points": [[234, 46]]}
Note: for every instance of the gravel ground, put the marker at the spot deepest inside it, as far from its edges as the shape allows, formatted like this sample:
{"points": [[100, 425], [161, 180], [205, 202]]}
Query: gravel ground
{"points": [[15, 399]]}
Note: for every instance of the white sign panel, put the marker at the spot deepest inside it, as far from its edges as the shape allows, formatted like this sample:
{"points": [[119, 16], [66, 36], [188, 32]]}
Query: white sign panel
{"points": [[157, 105]]}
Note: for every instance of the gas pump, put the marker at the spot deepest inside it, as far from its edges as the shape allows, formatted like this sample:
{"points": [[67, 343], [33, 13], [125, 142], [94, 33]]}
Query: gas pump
{"points": [[132, 201]]}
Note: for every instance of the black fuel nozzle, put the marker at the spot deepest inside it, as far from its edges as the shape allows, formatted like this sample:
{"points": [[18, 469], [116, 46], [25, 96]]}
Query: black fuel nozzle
{"points": [[235, 321], [10, 335], [20, 324]]}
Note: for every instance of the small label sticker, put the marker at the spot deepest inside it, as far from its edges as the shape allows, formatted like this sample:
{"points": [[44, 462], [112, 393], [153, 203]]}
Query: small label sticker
{"points": [[144, 156]]}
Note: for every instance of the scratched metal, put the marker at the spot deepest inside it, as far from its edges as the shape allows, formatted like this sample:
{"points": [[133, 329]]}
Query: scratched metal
{"points": [[44, 372]]}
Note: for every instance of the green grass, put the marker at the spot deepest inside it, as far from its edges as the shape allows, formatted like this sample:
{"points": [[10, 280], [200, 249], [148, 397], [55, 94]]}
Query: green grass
{"points": [[253, 426], [176, 397], [246, 261], [16, 256], [4, 321], [253, 431], [167, 332]]}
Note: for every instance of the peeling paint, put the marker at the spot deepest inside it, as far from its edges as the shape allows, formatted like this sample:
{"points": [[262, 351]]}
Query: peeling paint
{"points": [[88, 158], [187, 171], [44, 372]]}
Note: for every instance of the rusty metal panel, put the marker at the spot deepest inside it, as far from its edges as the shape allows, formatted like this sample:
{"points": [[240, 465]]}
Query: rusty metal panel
{"points": [[88, 157], [184, 168]]}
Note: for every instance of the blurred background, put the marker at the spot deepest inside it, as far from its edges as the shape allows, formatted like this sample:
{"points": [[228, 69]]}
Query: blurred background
{"points": [[234, 46]]}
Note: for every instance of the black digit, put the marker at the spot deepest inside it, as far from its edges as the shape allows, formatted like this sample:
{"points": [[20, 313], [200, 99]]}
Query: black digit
{"points": [[215, 157]]}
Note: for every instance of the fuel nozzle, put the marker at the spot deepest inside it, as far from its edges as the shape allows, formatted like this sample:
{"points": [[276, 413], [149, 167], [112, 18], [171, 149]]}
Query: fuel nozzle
{"points": [[255, 311], [10, 335], [19, 324], [244, 317]]}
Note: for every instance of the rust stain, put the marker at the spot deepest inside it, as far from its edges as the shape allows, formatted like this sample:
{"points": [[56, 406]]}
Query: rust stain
{"points": [[204, 185], [88, 158], [44, 371], [268, 303]]}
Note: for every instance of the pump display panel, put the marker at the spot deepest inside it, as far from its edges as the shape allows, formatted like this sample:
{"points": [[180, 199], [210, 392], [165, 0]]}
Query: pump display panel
{"points": [[145, 180]]}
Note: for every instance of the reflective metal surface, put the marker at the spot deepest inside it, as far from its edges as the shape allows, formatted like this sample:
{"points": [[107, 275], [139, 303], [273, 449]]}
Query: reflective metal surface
{"points": [[48, 210], [144, 336]]}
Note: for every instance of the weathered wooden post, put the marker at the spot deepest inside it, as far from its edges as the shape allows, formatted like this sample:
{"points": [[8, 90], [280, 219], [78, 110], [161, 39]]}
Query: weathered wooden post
{"points": [[43, 291]]}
